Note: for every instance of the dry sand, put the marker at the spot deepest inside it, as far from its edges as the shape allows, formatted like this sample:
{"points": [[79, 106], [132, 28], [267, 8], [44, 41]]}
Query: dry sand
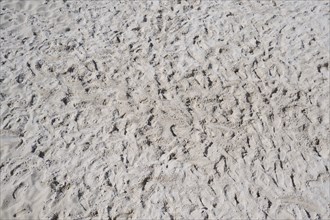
{"points": [[164, 110]]}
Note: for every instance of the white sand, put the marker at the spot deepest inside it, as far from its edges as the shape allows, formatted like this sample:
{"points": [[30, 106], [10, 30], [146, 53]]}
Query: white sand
{"points": [[164, 110]]}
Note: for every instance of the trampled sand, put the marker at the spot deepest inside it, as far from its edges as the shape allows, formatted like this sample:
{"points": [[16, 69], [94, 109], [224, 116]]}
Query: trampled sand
{"points": [[164, 109]]}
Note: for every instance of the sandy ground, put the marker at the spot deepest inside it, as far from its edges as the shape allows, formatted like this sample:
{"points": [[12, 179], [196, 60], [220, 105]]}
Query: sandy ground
{"points": [[164, 110]]}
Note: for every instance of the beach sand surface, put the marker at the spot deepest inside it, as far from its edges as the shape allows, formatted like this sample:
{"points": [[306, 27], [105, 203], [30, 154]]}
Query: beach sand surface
{"points": [[164, 109]]}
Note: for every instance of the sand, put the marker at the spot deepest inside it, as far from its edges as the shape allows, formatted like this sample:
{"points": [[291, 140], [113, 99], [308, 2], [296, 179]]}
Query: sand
{"points": [[164, 109]]}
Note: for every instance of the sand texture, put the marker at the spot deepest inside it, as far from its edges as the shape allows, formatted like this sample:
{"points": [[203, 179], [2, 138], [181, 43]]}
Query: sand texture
{"points": [[164, 109]]}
